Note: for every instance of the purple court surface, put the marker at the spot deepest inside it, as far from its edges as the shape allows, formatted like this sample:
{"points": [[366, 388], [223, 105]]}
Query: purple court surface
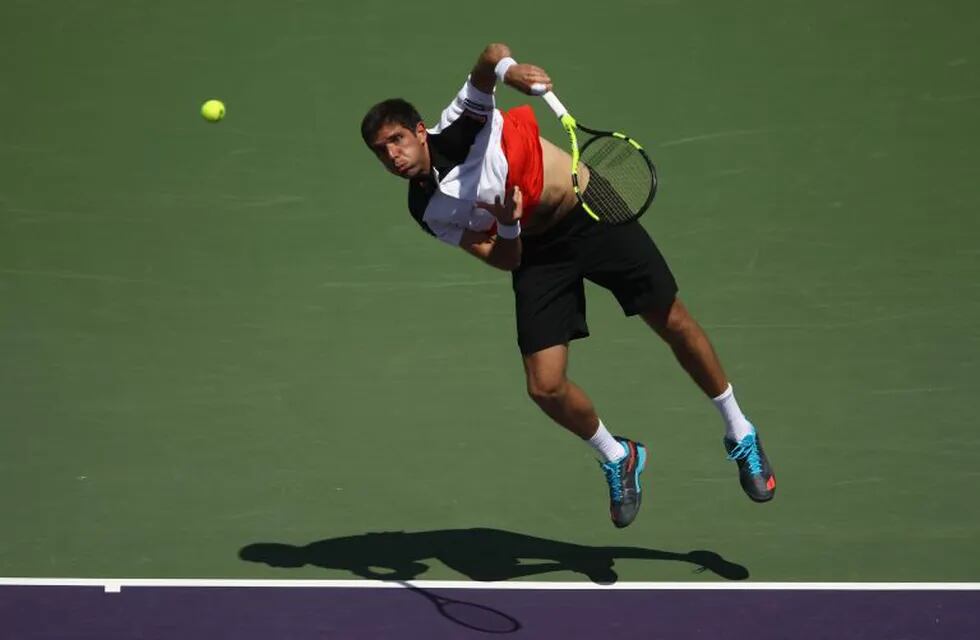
{"points": [[35, 612]]}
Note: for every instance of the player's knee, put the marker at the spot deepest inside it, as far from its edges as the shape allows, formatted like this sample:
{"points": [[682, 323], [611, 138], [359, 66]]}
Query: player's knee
{"points": [[547, 390], [679, 322], [674, 323]]}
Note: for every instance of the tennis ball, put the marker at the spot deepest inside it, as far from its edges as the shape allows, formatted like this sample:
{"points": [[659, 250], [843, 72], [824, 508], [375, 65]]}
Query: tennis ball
{"points": [[213, 110]]}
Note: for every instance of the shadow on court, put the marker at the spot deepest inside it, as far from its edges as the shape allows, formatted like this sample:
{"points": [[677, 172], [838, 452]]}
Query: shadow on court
{"points": [[479, 554]]}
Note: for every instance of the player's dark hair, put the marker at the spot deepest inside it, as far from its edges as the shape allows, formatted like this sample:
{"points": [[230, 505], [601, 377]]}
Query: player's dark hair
{"points": [[391, 111]]}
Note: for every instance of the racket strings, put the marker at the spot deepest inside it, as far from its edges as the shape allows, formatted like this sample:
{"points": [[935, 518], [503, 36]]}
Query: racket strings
{"points": [[621, 179]]}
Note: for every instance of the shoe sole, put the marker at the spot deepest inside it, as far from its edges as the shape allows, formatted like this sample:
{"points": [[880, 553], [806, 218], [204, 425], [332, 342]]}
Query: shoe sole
{"points": [[640, 466]]}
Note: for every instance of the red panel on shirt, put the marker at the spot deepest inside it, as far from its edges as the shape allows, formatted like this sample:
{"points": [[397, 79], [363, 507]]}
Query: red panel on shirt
{"points": [[522, 148]]}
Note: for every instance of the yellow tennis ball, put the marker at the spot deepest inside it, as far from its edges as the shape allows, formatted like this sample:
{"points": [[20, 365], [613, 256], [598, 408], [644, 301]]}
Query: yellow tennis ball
{"points": [[213, 110]]}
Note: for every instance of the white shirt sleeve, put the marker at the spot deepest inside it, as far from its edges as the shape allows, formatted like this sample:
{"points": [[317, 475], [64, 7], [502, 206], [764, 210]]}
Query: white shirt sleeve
{"points": [[448, 217], [469, 99]]}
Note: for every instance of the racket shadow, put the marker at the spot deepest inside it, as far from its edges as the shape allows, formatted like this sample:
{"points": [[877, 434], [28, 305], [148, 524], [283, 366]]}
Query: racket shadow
{"points": [[478, 617]]}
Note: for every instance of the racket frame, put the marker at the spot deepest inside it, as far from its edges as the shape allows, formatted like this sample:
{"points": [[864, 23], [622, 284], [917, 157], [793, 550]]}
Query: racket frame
{"points": [[570, 125]]}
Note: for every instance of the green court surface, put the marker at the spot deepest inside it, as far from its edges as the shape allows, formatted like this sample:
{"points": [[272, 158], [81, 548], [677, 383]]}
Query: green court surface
{"points": [[219, 335]]}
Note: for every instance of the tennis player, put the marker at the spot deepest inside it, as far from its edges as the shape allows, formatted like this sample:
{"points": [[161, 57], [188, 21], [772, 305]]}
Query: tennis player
{"points": [[485, 181]]}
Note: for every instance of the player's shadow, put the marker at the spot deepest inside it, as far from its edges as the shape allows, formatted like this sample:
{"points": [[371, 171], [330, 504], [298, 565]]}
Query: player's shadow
{"points": [[479, 554]]}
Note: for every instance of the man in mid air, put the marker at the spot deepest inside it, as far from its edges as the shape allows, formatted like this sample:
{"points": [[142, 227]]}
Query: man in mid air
{"points": [[485, 181]]}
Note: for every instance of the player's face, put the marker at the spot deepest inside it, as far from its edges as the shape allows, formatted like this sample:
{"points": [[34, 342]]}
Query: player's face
{"points": [[402, 151]]}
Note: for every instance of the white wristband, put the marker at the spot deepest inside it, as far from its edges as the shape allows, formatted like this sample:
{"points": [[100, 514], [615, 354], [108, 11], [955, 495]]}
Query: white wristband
{"points": [[503, 66], [509, 231]]}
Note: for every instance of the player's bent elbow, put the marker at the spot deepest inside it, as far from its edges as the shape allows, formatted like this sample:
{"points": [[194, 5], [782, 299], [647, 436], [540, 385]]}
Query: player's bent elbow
{"points": [[512, 265], [505, 256], [504, 263], [495, 52]]}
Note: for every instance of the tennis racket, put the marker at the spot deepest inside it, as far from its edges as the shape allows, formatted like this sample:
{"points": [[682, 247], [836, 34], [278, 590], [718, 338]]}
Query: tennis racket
{"points": [[622, 179]]}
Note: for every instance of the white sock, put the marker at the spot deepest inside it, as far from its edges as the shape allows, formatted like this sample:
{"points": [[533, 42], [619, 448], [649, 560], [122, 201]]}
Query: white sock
{"points": [[737, 426], [609, 448]]}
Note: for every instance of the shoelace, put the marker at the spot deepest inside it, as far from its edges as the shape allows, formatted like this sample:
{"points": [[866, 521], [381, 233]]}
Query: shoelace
{"points": [[611, 469], [748, 450]]}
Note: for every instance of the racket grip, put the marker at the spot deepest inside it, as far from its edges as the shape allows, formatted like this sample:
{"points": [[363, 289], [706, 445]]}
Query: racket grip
{"points": [[555, 104], [538, 89]]}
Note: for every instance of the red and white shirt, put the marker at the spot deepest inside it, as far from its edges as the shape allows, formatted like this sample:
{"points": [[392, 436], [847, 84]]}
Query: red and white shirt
{"points": [[478, 153]]}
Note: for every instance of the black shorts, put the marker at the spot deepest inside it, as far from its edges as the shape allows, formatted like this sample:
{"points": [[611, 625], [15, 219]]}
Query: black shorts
{"points": [[549, 287]]}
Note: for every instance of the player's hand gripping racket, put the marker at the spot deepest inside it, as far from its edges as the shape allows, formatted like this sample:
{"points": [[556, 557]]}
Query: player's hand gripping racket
{"points": [[622, 180]]}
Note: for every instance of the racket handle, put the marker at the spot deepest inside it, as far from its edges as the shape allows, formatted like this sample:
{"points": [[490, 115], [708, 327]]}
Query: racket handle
{"points": [[555, 104]]}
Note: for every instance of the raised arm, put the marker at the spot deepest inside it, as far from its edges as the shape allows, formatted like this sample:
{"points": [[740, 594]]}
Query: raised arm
{"points": [[496, 63]]}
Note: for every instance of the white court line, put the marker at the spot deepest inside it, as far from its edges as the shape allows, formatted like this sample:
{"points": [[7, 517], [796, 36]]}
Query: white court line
{"points": [[114, 585]]}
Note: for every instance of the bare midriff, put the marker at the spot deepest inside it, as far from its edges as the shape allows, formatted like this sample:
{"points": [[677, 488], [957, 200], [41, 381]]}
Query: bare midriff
{"points": [[557, 193]]}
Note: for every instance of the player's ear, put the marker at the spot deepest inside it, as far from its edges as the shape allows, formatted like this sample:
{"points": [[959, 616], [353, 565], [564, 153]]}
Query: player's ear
{"points": [[421, 133]]}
